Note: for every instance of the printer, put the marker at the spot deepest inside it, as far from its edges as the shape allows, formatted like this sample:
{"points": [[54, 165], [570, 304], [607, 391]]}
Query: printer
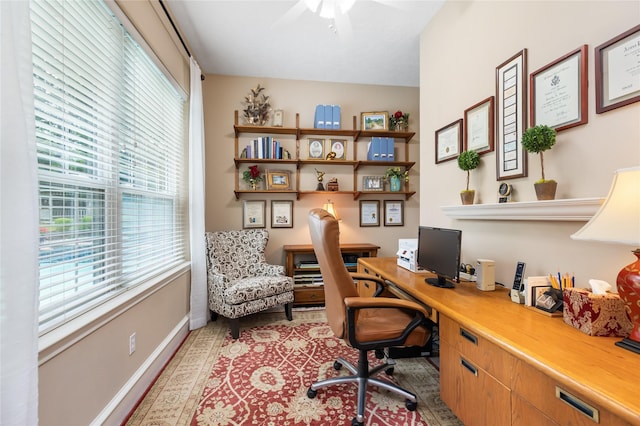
{"points": [[408, 253]]}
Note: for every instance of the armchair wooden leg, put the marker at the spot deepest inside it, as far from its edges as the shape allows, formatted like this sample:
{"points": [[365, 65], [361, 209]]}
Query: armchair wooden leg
{"points": [[214, 315], [288, 308], [234, 324]]}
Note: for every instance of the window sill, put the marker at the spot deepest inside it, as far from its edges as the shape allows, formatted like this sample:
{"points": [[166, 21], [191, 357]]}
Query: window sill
{"points": [[575, 210]]}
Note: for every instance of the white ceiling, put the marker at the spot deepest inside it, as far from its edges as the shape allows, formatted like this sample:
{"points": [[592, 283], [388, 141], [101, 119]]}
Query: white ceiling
{"points": [[378, 43]]}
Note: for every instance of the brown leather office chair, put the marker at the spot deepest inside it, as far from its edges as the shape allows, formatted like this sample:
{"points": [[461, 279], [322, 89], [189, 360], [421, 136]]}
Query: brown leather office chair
{"points": [[365, 323]]}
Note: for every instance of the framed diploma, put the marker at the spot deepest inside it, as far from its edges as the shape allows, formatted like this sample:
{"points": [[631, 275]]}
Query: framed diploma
{"points": [[618, 71], [449, 141], [253, 213], [393, 213], [558, 95], [511, 112], [479, 127], [282, 214], [369, 213]]}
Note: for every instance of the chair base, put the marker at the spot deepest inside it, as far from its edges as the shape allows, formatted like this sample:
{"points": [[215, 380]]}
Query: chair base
{"points": [[234, 323], [362, 376]]}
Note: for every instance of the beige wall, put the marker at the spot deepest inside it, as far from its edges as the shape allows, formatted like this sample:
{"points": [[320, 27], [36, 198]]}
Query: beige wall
{"points": [[87, 374], [224, 94], [459, 52]]}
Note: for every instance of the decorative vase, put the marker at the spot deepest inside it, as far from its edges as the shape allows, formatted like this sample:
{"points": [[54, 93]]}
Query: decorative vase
{"points": [[401, 126], [546, 190], [253, 184], [467, 196], [628, 283], [394, 183]]}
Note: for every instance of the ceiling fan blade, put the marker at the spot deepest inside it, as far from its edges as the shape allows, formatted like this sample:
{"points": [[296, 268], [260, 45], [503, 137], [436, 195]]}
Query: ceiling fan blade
{"points": [[291, 15]]}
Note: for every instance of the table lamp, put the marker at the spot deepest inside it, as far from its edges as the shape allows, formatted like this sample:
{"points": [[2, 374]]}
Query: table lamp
{"points": [[331, 209], [618, 221]]}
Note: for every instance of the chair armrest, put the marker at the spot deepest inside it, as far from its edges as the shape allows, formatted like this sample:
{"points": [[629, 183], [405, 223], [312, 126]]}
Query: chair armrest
{"points": [[384, 302], [380, 283]]}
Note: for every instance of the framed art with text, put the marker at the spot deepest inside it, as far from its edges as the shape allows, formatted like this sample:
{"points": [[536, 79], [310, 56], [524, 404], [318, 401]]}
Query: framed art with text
{"points": [[511, 112], [369, 213], [559, 97], [449, 141], [617, 71], [479, 125], [253, 215], [316, 149], [282, 214], [393, 213]]}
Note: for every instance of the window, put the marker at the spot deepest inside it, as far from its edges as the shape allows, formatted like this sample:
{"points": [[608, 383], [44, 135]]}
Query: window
{"points": [[110, 134]]}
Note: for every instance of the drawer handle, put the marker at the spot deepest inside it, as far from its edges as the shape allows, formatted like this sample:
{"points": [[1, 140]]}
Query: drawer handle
{"points": [[470, 337], [466, 364], [578, 404]]}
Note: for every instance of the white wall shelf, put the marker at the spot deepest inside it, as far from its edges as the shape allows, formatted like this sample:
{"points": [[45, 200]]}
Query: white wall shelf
{"points": [[576, 210]]}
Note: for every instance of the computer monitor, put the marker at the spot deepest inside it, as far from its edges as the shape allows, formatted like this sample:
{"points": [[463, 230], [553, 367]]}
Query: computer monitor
{"points": [[439, 252]]}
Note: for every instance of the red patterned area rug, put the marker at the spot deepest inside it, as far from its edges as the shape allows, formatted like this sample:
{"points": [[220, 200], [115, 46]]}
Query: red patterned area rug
{"points": [[262, 379]]}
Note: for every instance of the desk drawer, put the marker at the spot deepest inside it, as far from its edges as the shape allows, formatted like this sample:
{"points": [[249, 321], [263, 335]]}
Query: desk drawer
{"points": [[308, 295], [559, 403], [476, 349]]}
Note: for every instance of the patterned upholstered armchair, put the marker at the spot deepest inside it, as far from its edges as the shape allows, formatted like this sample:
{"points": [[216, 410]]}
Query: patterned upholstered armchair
{"points": [[239, 280]]}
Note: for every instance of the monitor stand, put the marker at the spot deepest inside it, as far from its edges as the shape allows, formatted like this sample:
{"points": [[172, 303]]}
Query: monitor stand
{"points": [[441, 282]]}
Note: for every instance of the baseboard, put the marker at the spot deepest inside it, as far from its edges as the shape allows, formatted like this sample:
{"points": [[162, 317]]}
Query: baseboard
{"points": [[129, 395]]}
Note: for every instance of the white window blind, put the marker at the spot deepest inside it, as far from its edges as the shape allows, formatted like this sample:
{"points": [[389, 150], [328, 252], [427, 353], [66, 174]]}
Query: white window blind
{"points": [[110, 134]]}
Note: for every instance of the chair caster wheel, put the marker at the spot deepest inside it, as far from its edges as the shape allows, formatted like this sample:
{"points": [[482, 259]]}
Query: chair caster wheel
{"points": [[355, 422], [312, 393], [337, 365], [411, 406], [379, 353], [389, 371]]}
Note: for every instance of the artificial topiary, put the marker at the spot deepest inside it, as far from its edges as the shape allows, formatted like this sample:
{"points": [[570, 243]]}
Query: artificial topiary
{"points": [[467, 161], [538, 139]]}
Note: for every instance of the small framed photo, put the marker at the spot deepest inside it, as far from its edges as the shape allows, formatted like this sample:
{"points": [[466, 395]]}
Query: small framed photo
{"points": [[339, 147], [281, 213], [479, 127], [617, 79], [369, 213], [316, 149], [253, 215], [278, 180], [393, 213], [449, 141], [278, 118], [373, 183], [374, 120]]}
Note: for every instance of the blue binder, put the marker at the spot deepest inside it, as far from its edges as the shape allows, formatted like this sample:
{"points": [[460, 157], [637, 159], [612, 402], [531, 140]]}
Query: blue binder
{"points": [[318, 121], [391, 149], [375, 148], [336, 116], [328, 117]]}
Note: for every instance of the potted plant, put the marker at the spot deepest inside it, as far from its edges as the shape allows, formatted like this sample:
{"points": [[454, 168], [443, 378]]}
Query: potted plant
{"points": [[395, 175], [252, 176], [467, 161], [538, 139]]}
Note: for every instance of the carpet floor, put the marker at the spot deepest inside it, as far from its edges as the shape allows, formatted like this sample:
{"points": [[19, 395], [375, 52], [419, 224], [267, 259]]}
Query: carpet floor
{"points": [[262, 378]]}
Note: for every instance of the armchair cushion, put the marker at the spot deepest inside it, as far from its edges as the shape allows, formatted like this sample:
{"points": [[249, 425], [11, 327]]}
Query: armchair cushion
{"points": [[254, 288]]}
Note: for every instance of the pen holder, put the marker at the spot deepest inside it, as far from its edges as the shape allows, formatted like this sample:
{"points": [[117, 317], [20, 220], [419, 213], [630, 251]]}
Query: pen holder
{"points": [[596, 314]]}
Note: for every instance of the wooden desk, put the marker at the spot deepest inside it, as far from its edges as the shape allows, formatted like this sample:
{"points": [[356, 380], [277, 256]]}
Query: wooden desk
{"points": [[522, 358], [313, 294]]}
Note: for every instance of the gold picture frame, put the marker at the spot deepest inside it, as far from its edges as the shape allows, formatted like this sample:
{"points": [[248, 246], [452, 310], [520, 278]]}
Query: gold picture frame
{"points": [[278, 180], [374, 121]]}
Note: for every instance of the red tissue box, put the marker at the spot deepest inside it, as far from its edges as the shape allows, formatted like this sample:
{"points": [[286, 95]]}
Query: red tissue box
{"points": [[596, 314]]}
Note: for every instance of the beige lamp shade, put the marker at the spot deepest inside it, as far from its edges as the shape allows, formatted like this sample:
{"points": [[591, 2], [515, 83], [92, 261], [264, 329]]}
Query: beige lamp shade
{"points": [[331, 209], [618, 220]]}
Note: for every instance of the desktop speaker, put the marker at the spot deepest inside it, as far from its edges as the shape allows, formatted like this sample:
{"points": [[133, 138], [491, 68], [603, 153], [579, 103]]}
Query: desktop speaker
{"points": [[486, 271]]}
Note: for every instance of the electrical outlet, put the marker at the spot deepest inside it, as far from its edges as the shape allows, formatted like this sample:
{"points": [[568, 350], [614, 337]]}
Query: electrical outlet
{"points": [[132, 343]]}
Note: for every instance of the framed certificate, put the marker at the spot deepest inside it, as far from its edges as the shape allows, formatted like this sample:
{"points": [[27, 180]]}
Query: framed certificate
{"points": [[282, 214], [369, 213], [253, 213], [559, 92], [449, 141], [479, 127], [393, 213], [617, 76]]}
